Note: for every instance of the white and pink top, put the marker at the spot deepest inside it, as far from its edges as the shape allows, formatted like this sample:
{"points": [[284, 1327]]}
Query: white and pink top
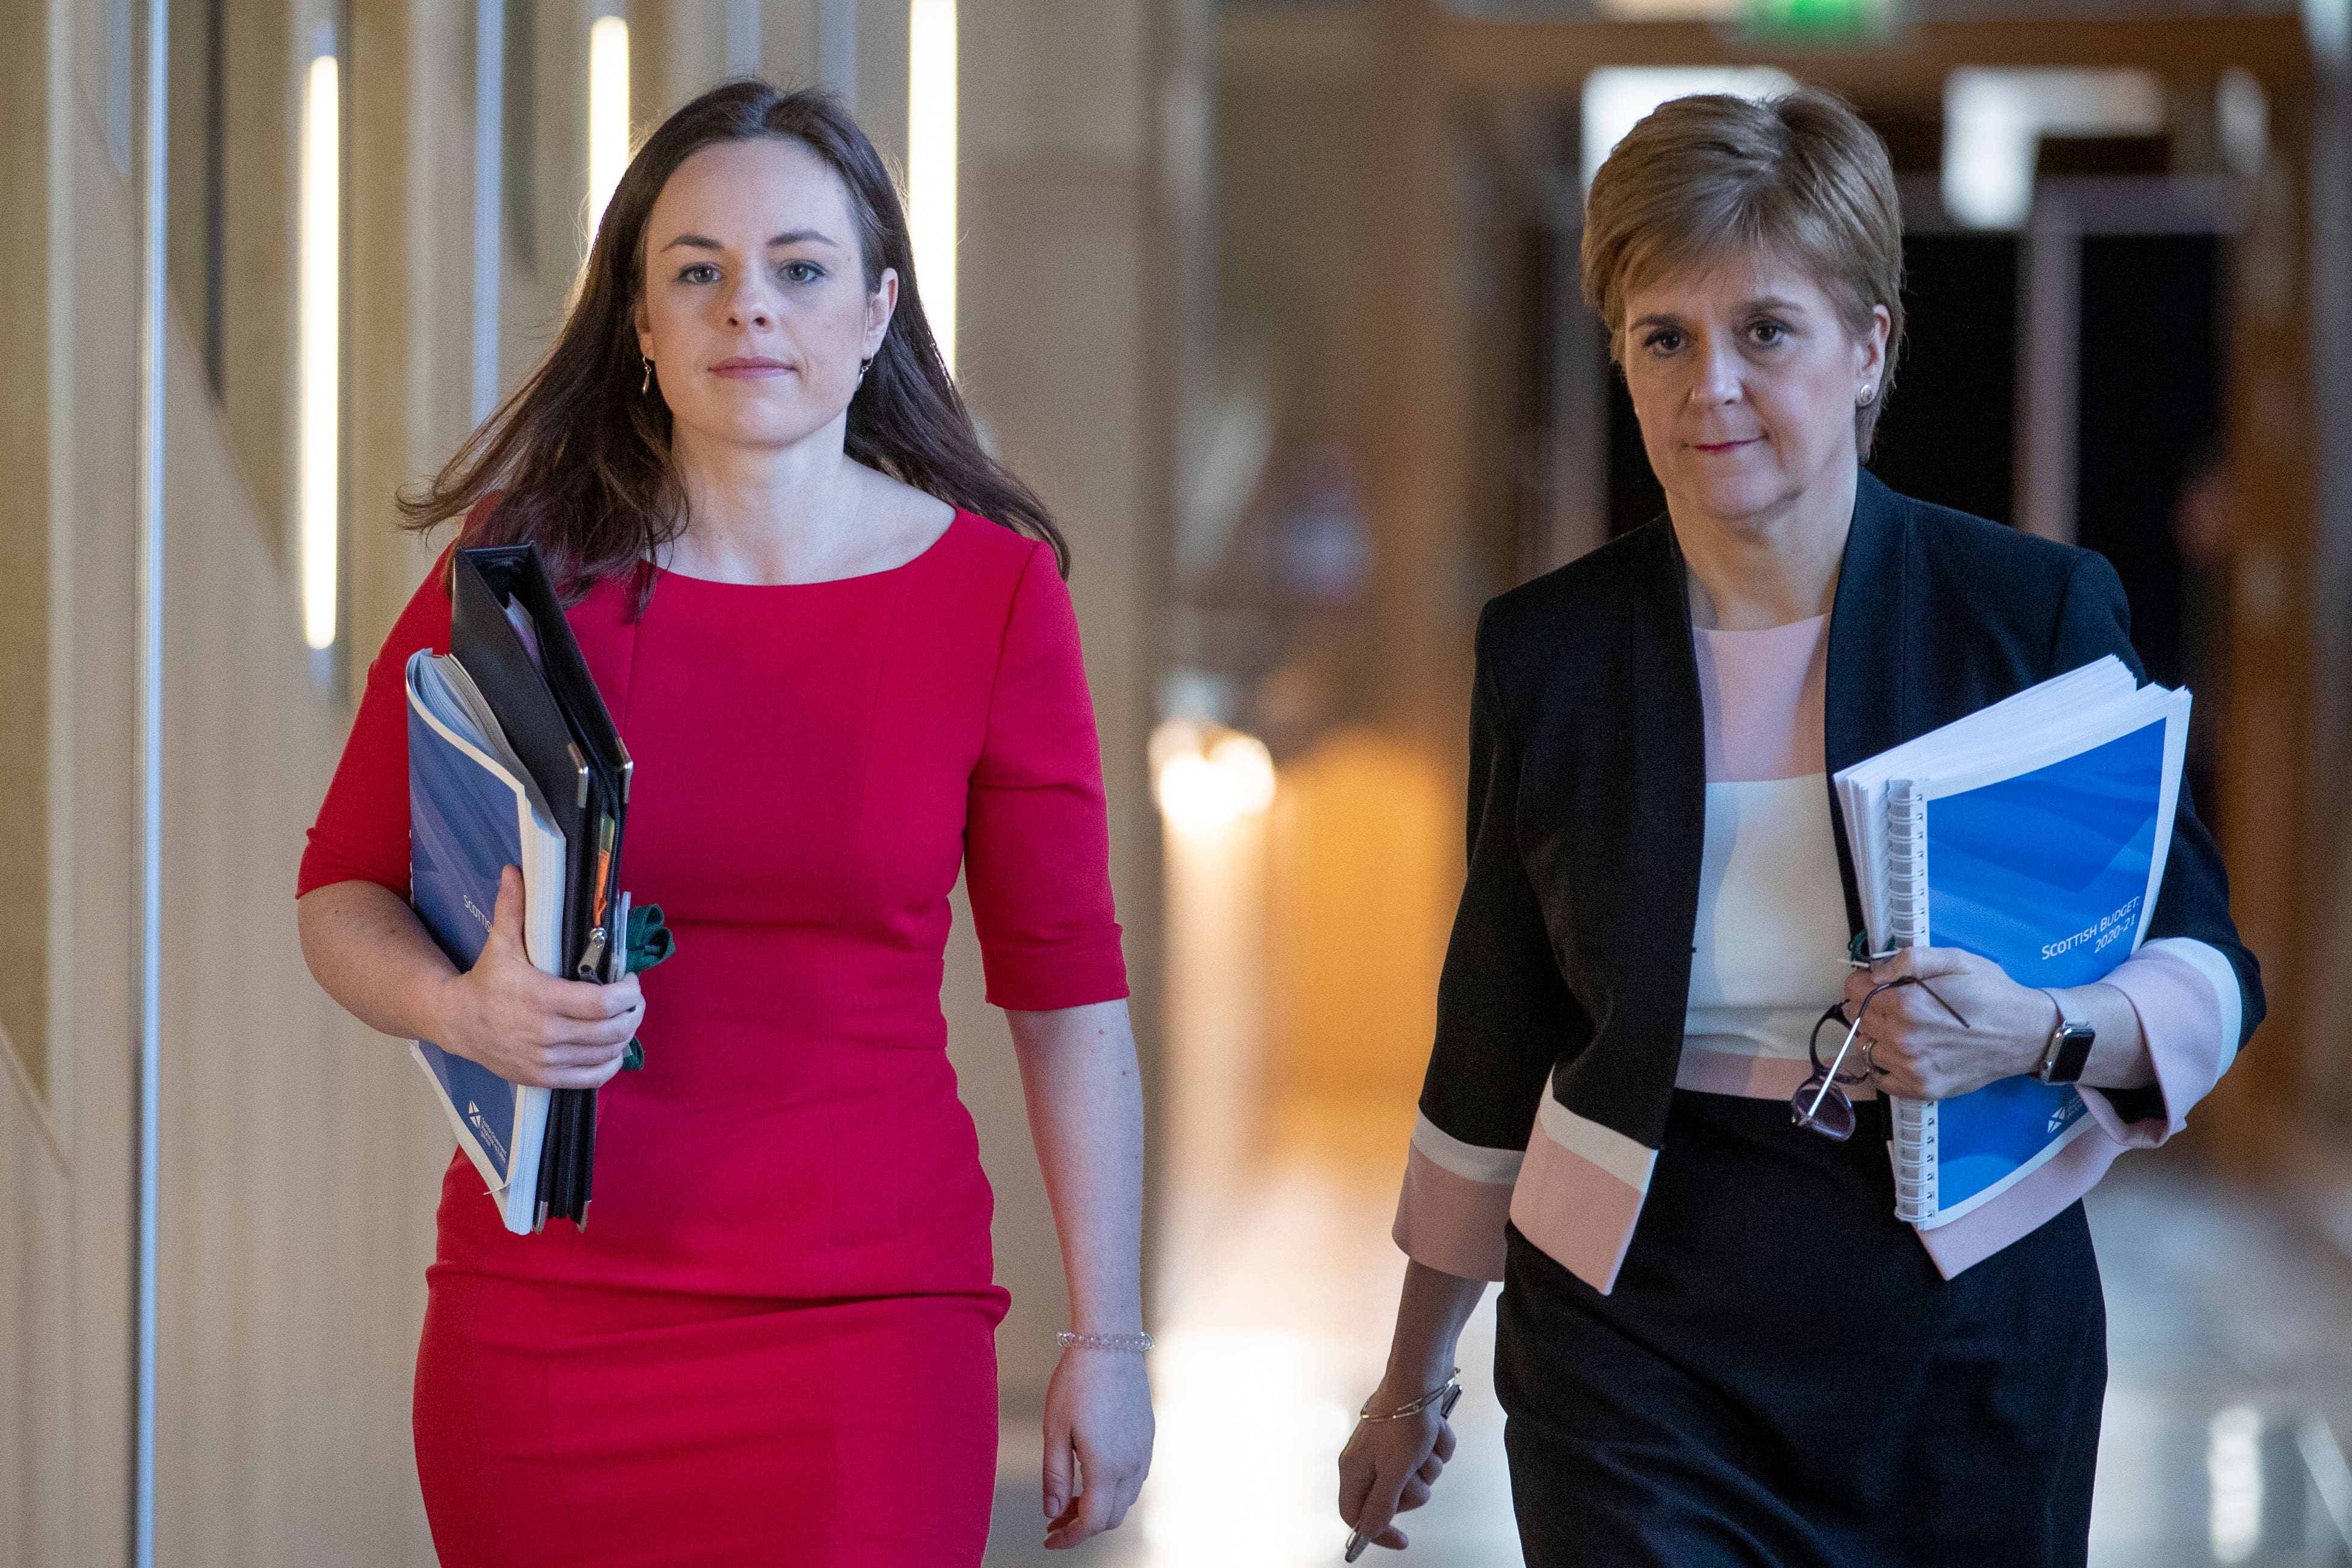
{"points": [[1768, 955]]}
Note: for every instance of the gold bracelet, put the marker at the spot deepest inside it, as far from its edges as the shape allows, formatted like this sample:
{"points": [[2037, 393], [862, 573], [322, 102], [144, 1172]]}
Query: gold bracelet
{"points": [[1451, 1385]]}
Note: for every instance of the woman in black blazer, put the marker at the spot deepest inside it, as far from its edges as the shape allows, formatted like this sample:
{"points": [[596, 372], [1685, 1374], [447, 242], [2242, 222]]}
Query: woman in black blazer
{"points": [[1716, 1343]]}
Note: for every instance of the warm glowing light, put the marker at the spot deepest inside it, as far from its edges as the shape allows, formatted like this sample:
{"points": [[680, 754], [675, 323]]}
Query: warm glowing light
{"points": [[932, 162], [608, 113], [1994, 121], [1206, 776], [1192, 1512], [1616, 98], [1250, 766], [318, 304]]}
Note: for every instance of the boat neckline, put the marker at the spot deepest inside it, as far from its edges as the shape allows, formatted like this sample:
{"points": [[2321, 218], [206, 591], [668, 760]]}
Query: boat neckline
{"points": [[915, 559]]}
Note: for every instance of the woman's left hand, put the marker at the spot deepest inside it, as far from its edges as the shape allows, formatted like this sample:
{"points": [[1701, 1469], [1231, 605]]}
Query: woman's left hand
{"points": [[1919, 1050], [1098, 1432]]}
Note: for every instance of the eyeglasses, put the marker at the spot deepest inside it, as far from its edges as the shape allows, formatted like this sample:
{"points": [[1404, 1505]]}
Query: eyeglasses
{"points": [[1820, 1104]]}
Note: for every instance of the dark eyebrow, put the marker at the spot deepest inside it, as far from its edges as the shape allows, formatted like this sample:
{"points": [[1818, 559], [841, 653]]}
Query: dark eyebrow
{"points": [[789, 237]]}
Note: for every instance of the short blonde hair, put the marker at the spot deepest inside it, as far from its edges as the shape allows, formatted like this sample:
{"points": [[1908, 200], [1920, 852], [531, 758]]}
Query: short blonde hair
{"points": [[1799, 177]]}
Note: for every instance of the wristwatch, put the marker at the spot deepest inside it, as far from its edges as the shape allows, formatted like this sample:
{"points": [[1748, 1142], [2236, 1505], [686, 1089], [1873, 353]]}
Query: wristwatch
{"points": [[2069, 1048]]}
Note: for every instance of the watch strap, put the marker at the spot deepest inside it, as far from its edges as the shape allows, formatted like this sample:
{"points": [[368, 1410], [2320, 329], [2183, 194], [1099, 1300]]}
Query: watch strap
{"points": [[2068, 1049]]}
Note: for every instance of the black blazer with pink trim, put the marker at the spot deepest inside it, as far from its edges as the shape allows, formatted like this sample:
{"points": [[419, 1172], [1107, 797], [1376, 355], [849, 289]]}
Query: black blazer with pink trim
{"points": [[1570, 961]]}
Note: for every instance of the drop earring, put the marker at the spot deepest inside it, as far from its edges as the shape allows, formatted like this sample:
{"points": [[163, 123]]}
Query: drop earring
{"points": [[646, 384], [863, 366]]}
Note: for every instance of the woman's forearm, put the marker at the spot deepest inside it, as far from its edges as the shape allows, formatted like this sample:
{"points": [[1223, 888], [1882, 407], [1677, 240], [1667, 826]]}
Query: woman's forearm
{"points": [[1084, 1095], [369, 952], [2119, 1056], [1430, 1314]]}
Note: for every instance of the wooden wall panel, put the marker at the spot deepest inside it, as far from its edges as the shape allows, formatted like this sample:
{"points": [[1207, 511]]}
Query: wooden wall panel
{"points": [[35, 1394], [1054, 335], [25, 548], [300, 1160], [94, 287]]}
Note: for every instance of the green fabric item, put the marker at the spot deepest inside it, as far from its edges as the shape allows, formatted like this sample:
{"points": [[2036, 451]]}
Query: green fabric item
{"points": [[649, 938], [650, 941]]}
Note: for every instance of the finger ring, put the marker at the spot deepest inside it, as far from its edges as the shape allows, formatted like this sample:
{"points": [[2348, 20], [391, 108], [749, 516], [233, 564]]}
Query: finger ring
{"points": [[1868, 1065]]}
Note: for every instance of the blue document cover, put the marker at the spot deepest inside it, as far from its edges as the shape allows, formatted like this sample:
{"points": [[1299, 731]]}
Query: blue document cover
{"points": [[470, 814], [2049, 874], [2033, 833]]}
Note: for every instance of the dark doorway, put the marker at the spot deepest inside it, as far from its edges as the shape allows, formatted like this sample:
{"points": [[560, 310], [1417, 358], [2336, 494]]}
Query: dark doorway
{"points": [[2150, 410], [1948, 435], [1634, 497], [2148, 465]]}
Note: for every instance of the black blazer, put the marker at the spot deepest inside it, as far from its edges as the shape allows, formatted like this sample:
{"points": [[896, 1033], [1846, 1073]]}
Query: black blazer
{"points": [[1569, 960]]}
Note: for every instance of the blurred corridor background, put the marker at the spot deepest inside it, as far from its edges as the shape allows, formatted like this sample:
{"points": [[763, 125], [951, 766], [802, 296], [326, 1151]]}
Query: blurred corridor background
{"points": [[1274, 301]]}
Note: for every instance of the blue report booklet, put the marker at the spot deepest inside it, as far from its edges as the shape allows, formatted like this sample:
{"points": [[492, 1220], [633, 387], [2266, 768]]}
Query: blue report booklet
{"points": [[2033, 833], [473, 810]]}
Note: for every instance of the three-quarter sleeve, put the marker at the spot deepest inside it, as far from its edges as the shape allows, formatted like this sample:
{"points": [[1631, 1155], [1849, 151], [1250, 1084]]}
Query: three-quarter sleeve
{"points": [[2197, 989], [361, 831], [1503, 1017], [1036, 836]]}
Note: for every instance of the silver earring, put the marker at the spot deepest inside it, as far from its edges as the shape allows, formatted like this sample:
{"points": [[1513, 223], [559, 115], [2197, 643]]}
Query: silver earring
{"points": [[646, 384], [1865, 398], [863, 366]]}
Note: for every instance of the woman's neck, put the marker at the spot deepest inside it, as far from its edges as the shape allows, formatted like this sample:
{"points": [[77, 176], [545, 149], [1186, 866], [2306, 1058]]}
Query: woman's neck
{"points": [[1751, 574], [768, 515]]}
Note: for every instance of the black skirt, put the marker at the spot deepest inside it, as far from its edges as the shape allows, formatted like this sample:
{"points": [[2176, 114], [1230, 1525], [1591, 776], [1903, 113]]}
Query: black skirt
{"points": [[1782, 1378]]}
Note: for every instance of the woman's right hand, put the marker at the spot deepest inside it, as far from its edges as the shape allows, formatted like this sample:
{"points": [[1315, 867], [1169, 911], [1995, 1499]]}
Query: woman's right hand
{"points": [[1389, 1466], [529, 1026]]}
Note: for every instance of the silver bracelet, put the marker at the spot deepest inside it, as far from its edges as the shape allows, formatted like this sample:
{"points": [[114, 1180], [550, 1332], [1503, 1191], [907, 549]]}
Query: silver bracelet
{"points": [[1443, 1393], [1134, 1345]]}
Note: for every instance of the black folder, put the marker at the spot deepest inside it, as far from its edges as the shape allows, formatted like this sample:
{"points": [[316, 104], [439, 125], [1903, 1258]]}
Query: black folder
{"points": [[507, 627]]}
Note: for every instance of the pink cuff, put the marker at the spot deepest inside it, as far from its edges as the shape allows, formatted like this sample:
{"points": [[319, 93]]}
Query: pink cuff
{"points": [[1451, 1222], [2182, 1021]]}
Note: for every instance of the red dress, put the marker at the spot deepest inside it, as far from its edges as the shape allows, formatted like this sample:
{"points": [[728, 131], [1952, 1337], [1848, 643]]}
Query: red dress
{"points": [[774, 1340]]}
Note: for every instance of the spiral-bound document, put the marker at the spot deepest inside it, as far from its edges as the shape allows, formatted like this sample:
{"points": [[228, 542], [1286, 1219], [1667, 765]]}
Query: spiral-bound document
{"points": [[2033, 833]]}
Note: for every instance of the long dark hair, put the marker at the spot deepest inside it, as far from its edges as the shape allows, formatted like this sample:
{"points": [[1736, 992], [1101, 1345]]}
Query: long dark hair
{"points": [[582, 461]]}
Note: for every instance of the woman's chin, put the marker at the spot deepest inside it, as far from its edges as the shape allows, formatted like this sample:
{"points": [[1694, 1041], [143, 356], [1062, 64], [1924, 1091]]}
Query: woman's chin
{"points": [[757, 427], [1733, 498]]}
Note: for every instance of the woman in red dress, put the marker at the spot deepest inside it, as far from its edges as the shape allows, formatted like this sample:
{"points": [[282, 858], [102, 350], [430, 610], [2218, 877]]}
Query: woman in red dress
{"points": [[835, 637]]}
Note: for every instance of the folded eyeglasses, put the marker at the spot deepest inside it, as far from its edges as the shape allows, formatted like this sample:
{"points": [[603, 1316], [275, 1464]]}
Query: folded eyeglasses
{"points": [[1820, 1104]]}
